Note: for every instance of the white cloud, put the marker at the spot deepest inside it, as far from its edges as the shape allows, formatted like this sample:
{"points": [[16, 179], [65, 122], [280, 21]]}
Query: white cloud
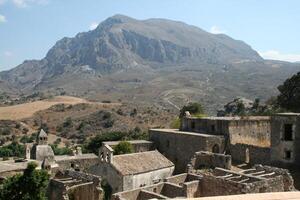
{"points": [[2, 19], [217, 30], [26, 3], [276, 55], [8, 54], [93, 25]]}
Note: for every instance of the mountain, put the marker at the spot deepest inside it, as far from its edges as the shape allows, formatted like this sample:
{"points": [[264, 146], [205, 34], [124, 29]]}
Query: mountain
{"points": [[150, 61]]}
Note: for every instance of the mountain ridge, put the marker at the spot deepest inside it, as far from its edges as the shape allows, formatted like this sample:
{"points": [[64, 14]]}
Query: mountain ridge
{"points": [[124, 53]]}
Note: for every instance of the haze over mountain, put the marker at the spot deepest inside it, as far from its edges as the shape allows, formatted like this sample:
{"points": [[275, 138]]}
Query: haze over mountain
{"points": [[150, 61]]}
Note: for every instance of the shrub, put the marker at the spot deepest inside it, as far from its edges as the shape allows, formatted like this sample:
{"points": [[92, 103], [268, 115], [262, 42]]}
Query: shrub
{"points": [[68, 122], [123, 147], [32, 184], [175, 123], [61, 151], [13, 149], [193, 108]]}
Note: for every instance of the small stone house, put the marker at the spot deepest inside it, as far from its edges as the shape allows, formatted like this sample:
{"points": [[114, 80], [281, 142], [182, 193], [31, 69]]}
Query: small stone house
{"points": [[131, 171]]}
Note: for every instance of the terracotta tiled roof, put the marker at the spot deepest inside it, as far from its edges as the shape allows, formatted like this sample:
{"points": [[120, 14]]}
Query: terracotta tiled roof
{"points": [[136, 163]]}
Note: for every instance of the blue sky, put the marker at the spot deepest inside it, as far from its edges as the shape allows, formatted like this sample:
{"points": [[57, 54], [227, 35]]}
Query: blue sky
{"points": [[29, 28]]}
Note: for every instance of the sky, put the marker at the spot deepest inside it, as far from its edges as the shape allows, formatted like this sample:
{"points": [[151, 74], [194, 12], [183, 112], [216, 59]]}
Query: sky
{"points": [[29, 28]]}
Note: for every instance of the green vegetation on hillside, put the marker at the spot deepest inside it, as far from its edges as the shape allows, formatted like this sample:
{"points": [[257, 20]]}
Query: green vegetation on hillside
{"points": [[12, 150], [95, 142], [289, 97]]}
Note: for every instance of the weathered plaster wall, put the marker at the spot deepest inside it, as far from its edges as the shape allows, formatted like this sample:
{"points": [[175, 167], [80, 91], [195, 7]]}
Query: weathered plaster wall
{"points": [[251, 132], [279, 146], [146, 179], [82, 163], [108, 172], [179, 147]]}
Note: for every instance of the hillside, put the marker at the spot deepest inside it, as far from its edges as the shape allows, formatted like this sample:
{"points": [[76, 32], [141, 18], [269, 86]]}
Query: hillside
{"points": [[154, 61]]}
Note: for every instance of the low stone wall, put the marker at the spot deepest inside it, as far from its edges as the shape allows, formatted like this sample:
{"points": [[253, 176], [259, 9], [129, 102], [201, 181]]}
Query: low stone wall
{"points": [[209, 160], [172, 190], [288, 180]]}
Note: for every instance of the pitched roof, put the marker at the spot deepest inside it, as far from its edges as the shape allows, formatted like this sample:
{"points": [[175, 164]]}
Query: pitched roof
{"points": [[136, 163], [42, 133]]}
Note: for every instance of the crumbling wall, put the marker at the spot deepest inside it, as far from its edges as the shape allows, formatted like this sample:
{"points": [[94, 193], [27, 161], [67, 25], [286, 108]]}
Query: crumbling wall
{"points": [[192, 189], [280, 146], [56, 190], [85, 191], [109, 173], [180, 147], [146, 195], [172, 190], [250, 154], [79, 162], [288, 181], [210, 160]]}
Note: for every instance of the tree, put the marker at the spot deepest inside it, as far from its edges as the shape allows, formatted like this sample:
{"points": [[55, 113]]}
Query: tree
{"points": [[31, 185], [193, 108], [13, 149], [289, 97], [123, 147]]}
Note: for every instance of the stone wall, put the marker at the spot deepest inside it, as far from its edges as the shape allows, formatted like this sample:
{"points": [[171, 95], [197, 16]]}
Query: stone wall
{"points": [[280, 145], [288, 182], [245, 130], [180, 147], [109, 173], [79, 162], [74, 185], [210, 160], [146, 179], [251, 132], [182, 185], [219, 184], [250, 154]]}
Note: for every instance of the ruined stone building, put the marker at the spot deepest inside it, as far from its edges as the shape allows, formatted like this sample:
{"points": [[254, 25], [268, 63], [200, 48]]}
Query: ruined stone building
{"points": [[250, 139], [179, 186], [285, 138], [74, 185]]}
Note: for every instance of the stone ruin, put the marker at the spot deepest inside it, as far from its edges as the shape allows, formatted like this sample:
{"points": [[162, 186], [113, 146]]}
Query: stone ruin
{"points": [[68, 185], [179, 186]]}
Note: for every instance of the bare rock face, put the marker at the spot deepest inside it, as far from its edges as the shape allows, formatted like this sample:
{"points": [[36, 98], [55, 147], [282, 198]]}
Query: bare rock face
{"points": [[156, 52]]}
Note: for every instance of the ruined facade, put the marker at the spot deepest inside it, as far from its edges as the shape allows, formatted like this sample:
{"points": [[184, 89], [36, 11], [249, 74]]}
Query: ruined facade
{"points": [[68, 185], [285, 139], [180, 146], [180, 186]]}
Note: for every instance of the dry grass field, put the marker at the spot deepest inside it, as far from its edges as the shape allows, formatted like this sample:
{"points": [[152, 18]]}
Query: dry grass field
{"points": [[21, 111]]}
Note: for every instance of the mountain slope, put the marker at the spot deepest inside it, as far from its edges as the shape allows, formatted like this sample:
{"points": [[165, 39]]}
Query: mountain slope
{"points": [[153, 61]]}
